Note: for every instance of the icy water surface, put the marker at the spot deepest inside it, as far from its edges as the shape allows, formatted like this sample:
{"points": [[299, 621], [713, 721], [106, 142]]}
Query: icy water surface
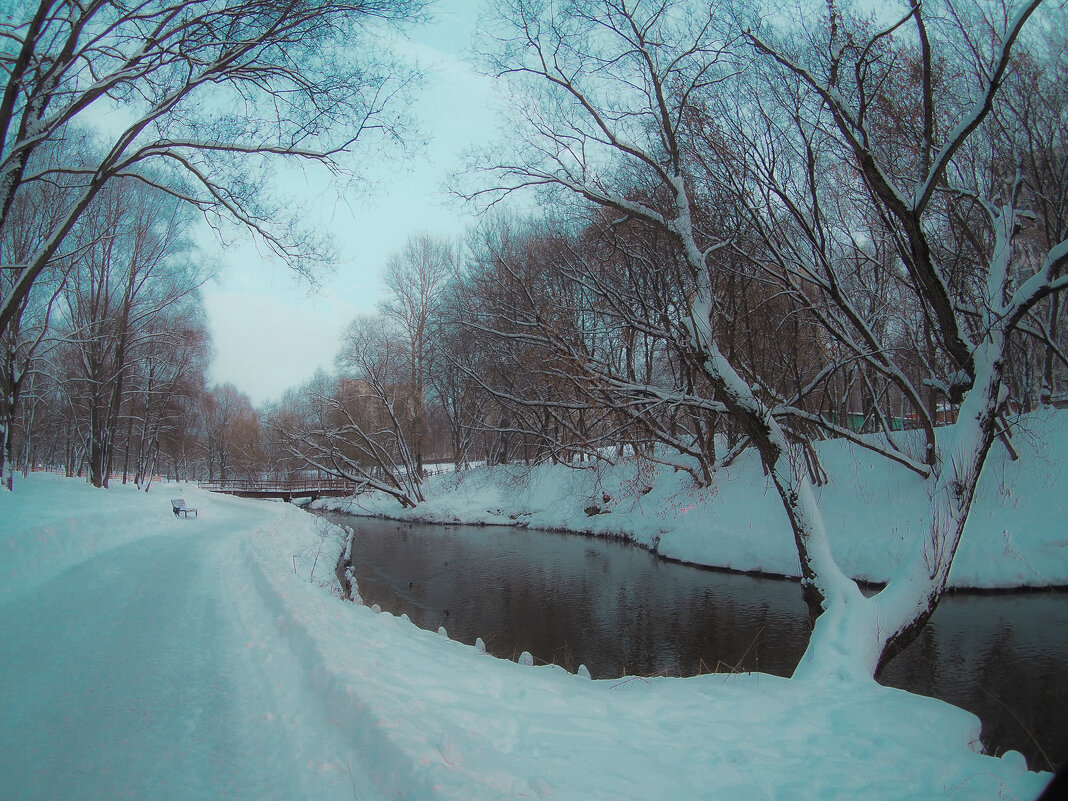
{"points": [[620, 610]]}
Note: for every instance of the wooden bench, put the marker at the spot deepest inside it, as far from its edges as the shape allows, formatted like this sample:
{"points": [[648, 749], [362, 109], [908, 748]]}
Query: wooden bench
{"points": [[180, 509]]}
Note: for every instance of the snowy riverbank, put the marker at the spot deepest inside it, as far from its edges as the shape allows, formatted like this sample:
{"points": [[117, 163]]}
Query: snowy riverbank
{"points": [[145, 656], [1016, 535]]}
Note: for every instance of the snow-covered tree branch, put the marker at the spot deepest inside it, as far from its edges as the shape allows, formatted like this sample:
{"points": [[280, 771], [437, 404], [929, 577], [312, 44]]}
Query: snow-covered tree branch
{"points": [[896, 254], [194, 97]]}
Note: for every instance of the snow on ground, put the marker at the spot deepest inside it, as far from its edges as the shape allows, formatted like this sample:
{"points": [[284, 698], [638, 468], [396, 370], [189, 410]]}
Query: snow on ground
{"points": [[149, 657], [1016, 534]]}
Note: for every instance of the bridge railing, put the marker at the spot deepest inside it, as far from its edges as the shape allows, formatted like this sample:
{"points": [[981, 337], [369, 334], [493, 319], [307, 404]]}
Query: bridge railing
{"points": [[291, 485]]}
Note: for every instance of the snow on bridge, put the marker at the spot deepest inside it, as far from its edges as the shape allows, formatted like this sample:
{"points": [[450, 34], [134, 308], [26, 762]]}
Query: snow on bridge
{"points": [[286, 490]]}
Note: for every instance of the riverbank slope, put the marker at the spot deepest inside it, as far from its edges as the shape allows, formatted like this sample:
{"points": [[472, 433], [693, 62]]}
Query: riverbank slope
{"points": [[1016, 535], [149, 657]]}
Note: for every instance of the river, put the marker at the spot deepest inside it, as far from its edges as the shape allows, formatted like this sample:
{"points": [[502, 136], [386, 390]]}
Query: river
{"points": [[620, 610]]}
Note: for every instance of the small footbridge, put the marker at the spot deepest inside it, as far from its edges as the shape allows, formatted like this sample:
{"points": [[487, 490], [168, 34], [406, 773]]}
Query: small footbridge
{"points": [[288, 491]]}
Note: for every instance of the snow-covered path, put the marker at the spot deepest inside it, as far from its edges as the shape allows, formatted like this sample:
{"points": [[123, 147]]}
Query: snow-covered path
{"points": [[150, 658], [145, 668]]}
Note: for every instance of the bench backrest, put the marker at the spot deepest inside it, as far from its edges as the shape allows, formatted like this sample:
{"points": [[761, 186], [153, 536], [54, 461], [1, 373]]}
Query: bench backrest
{"points": [[178, 504]]}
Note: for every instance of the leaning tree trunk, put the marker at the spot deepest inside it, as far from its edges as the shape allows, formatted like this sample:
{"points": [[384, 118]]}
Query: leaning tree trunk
{"points": [[853, 636], [871, 631]]}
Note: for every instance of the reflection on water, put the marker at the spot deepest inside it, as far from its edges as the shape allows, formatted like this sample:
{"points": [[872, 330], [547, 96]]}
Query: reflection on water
{"points": [[1005, 658], [620, 610]]}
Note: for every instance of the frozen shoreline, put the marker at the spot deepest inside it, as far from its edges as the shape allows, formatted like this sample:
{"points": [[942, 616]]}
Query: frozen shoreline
{"points": [[1015, 538], [332, 505]]}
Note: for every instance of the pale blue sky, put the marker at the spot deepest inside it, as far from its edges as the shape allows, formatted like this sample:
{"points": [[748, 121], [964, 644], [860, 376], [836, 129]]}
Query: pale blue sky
{"points": [[269, 333]]}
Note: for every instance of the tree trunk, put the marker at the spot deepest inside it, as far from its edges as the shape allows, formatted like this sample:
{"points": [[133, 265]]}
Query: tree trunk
{"points": [[97, 445]]}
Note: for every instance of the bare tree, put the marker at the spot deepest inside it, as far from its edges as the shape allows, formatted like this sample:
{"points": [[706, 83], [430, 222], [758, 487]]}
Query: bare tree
{"points": [[24, 340], [232, 432], [282, 418], [129, 272], [610, 89], [417, 276], [358, 427], [458, 357], [167, 373], [181, 440], [370, 424], [1029, 134], [974, 308], [198, 95], [543, 308]]}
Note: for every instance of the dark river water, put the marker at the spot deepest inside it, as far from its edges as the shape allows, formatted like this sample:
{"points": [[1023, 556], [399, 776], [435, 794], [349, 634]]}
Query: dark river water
{"points": [[619, 610]]}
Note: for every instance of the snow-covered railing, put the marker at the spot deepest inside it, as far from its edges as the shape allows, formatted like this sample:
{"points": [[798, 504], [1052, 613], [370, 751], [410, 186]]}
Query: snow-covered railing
{"points": [[281, 486]]}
